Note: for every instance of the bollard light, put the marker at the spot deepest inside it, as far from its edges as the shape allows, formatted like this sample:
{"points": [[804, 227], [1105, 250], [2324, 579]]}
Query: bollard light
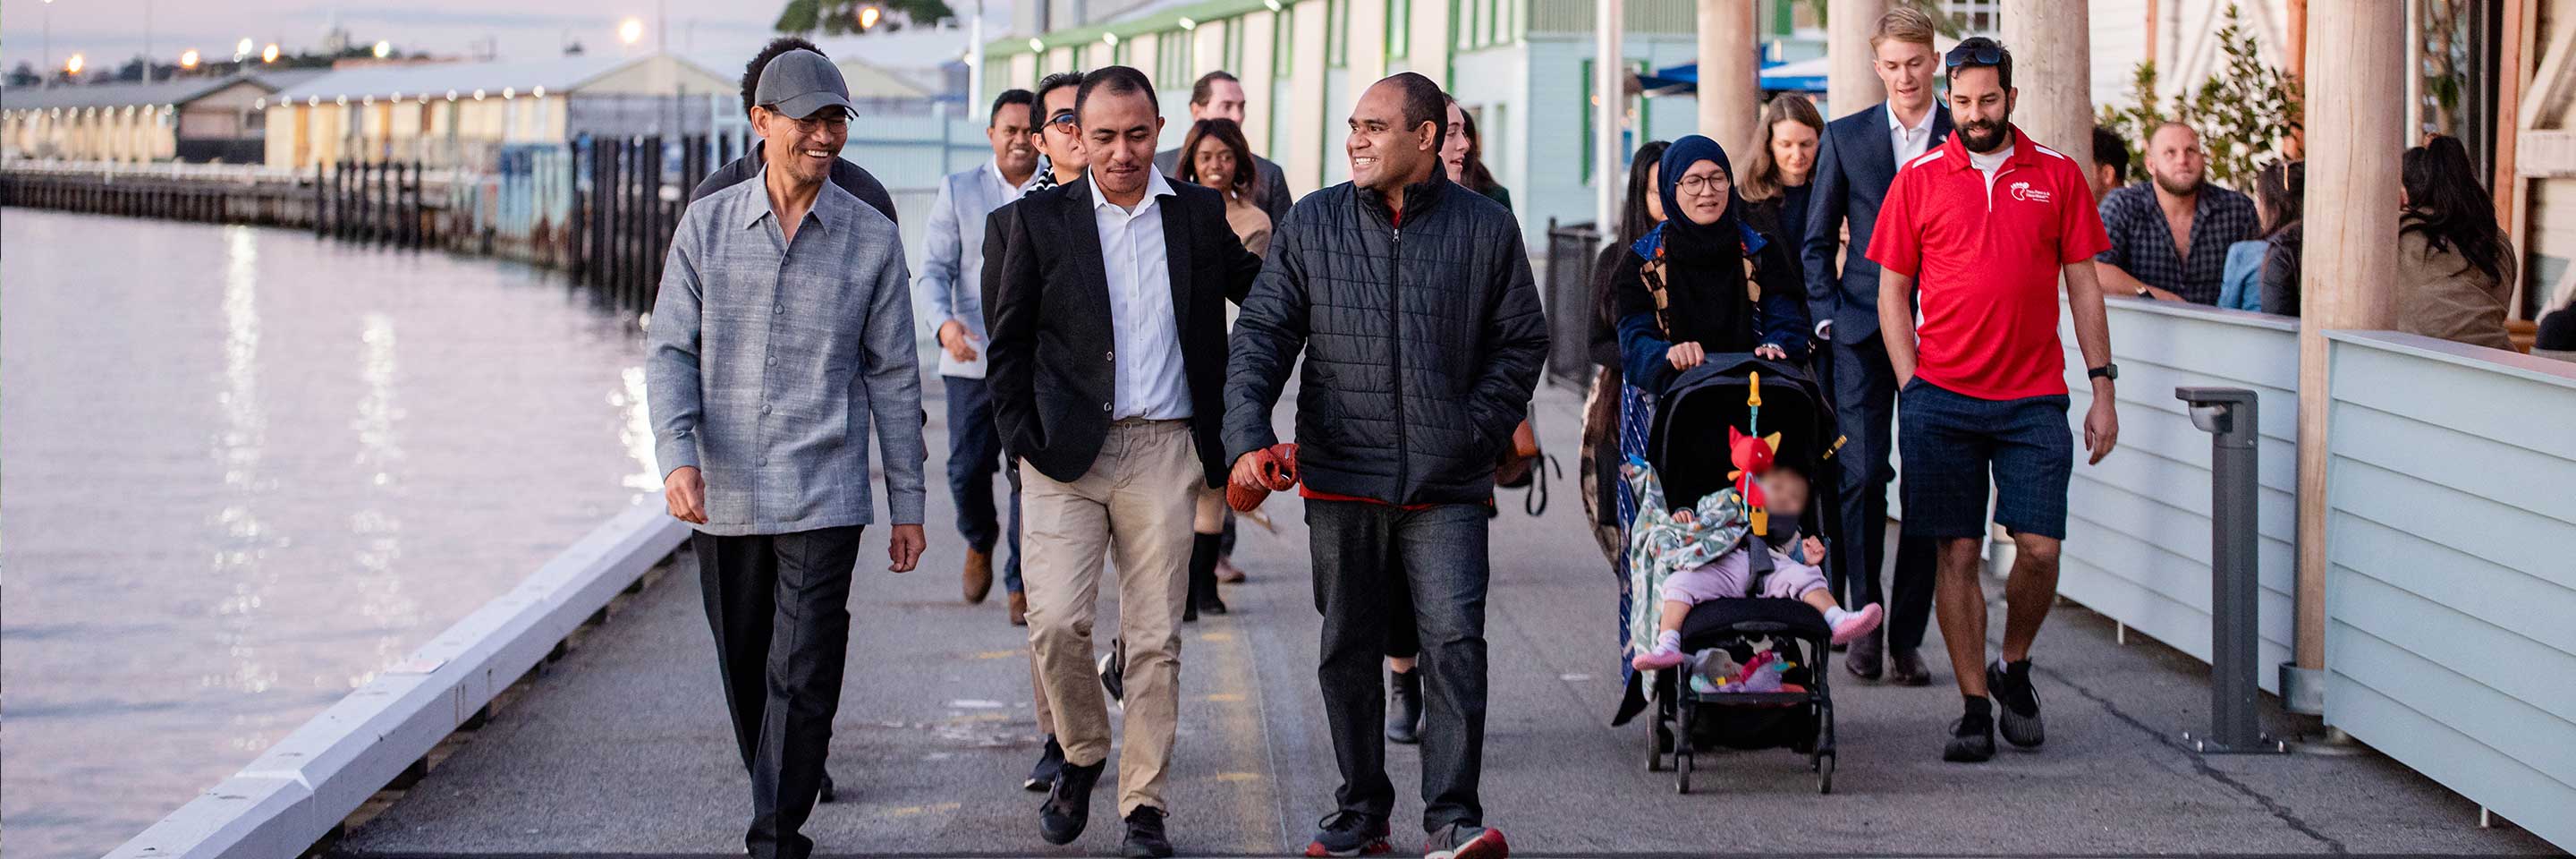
{"points": [[2228, 415]]}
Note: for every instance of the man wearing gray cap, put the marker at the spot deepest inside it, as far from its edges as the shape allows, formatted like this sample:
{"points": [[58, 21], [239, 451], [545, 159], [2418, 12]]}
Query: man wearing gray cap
{"points": [[783, 330]]}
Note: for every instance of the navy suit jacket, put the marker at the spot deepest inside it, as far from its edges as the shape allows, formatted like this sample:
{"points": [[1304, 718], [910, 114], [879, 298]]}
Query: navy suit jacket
{"points": [[1854, 165]]}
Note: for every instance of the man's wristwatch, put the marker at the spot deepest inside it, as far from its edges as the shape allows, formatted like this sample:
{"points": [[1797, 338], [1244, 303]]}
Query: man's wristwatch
{"points": [[2106, 371]]}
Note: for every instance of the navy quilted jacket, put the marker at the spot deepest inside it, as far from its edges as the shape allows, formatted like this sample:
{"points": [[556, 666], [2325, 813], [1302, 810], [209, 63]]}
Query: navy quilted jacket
{"points": [[1422, 344]]}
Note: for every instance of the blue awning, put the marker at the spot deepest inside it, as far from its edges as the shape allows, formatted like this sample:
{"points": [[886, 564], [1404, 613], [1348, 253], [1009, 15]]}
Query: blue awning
{"points": [[1800, 76]]}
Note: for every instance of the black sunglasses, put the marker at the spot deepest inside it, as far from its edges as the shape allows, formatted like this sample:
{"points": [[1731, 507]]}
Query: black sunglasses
{"points": [[1984, 55]]}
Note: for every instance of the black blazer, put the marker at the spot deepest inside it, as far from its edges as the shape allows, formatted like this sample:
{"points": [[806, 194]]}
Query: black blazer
{"points": [[1854, 166], [1046, 309]]}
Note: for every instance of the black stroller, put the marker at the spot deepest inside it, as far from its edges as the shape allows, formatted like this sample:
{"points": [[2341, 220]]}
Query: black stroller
{"points": [[1687, 446]]}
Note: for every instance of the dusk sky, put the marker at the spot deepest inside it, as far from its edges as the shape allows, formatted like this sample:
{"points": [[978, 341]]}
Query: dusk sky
{"points": [[109, 31]]}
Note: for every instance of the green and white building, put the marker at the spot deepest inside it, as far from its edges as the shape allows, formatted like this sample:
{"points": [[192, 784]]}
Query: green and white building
{"points": [[1522, 67]]}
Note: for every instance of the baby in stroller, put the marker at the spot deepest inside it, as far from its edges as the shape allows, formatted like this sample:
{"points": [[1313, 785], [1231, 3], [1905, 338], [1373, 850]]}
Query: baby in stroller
{"points": [[1708, 547]]}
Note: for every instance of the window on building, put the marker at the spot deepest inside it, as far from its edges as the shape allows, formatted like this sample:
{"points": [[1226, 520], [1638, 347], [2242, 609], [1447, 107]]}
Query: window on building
{"points": [[1337, 35], [1283, 43], [1399, 26], [1233, 41], [1975, 17]]}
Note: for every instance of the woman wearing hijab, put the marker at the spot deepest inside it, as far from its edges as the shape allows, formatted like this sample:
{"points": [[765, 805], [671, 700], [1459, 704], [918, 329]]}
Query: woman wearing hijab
{"points": [[1726, 288]]}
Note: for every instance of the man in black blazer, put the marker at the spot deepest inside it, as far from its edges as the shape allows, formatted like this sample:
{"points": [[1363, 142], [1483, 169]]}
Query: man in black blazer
{"points": [[1857, 161], [1107, 317]]}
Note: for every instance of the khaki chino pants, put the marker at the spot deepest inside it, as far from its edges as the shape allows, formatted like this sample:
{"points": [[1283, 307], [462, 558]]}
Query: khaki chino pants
{"points": [[1132, 508]]}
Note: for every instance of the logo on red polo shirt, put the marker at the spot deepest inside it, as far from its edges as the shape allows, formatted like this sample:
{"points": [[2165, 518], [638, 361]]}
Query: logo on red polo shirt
{"points": [[2023, 191]]}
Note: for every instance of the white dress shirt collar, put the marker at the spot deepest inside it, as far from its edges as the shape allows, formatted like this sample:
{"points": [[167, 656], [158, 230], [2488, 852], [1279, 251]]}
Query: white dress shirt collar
{"points": [[1910, 142], [1155, 188]]}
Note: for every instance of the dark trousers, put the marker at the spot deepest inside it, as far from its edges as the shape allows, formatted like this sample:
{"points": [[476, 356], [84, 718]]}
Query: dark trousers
{"points": [[780, 608], [1865, 400], [974, 454], [1359, 548]]}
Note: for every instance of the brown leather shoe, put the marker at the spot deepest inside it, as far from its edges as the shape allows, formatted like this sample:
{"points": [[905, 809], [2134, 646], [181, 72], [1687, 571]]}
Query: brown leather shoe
{"points": [[1864, 657], [1019, 609], [979, 576], [1906, 668]]}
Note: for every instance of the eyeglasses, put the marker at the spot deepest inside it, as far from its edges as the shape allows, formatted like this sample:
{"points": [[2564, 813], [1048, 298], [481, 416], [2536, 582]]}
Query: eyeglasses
{"points": [[1983, 54], [1063, 118], [1701, 186]]}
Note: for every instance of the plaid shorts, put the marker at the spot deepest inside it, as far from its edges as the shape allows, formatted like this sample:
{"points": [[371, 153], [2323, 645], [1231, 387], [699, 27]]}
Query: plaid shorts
{"points": [[1954, 444]]}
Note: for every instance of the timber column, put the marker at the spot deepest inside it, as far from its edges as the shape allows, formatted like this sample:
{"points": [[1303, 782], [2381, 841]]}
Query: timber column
{"points": [[1730, 76], [2355, 135], [2052, 48], [1850, 82]]}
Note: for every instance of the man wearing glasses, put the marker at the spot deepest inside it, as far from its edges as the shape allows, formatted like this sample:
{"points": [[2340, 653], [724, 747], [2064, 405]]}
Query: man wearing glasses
{"points": [[1987, 224], [782, 331]]}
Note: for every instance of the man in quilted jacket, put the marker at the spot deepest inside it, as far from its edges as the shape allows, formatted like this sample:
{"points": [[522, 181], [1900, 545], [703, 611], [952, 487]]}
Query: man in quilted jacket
{"points": [[1412, 300]]}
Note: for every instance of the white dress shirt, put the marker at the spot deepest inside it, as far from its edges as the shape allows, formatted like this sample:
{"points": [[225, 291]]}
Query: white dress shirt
{"points": [[1148, 340], [1910, 142]]}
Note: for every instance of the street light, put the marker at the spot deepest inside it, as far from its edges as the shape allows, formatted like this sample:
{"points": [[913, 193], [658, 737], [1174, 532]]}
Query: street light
{"points": [[269, 54], [868, 16], [188, 59], [242, 49], [73, 65], [384, 49], [630, 30]]}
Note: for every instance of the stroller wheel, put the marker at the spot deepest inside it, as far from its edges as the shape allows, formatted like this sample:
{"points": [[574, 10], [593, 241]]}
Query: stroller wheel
{"points": [[1659, 741], [1825, 776], [1682, 765]]}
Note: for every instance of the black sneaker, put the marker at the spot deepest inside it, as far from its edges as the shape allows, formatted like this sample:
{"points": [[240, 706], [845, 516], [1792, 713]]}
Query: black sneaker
{"points": [[1348, 833], [1145, 838], [1068, 807], [1972, 739], [1050, 762], [1404, 714], [2010, 685], [1464, 841]]}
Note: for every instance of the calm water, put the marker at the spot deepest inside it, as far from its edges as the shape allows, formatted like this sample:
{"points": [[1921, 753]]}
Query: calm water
{"points": [[241, 470]]}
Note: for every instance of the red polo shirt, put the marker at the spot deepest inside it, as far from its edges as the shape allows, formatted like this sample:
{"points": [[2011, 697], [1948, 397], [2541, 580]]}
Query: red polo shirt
{"points": [[1986, 263]]}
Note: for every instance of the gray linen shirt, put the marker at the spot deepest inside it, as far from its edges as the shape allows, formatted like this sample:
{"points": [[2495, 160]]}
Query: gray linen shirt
{"points": [[767, 361]]}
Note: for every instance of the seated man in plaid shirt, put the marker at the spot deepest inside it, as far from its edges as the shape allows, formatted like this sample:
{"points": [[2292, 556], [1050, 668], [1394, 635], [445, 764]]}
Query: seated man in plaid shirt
{"points": [[2169, 235]]}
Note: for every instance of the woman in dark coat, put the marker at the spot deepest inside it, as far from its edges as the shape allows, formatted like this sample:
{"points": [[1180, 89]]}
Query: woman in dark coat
{"points": [[1727, 288]]}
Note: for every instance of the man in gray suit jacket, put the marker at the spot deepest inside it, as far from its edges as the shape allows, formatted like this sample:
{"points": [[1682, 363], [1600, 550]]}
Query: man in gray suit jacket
{"points": [[1854, 166], [949, 289], [1218, 95]]}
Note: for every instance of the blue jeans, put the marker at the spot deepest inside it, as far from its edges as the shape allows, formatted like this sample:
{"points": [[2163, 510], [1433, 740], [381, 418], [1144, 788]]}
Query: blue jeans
{"points": [[974, 454], [1359, 548]]}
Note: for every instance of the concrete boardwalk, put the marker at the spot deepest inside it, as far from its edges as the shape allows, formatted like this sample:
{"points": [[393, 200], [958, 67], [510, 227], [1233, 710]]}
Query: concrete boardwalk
{"points": [[621, 749]]}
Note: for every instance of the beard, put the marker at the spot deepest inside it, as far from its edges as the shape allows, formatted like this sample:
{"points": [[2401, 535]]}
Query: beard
{"points": [[1984, 137], [2178, 187]]}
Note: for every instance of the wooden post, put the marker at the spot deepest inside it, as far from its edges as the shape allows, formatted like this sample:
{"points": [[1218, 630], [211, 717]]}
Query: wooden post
{"points": [[1730, 77], [2052, 50], [2513, 72], [1850, 82], [2346, 273]]}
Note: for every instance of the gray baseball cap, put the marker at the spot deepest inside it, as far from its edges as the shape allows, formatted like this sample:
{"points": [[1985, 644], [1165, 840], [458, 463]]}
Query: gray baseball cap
{"points": [[799, 83]]}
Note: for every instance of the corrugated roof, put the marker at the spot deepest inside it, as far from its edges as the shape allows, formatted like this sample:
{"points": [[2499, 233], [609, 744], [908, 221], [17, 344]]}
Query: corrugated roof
{"points": [[176, 91], [561, 74]]}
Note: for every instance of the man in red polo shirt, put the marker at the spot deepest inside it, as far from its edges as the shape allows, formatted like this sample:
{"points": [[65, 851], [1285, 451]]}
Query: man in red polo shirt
{"points": [[1987, 224]]}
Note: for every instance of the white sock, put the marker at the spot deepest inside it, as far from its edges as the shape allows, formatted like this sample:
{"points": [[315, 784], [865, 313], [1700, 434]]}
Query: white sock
{"points": [[1834, 616], [1670, 640]]}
